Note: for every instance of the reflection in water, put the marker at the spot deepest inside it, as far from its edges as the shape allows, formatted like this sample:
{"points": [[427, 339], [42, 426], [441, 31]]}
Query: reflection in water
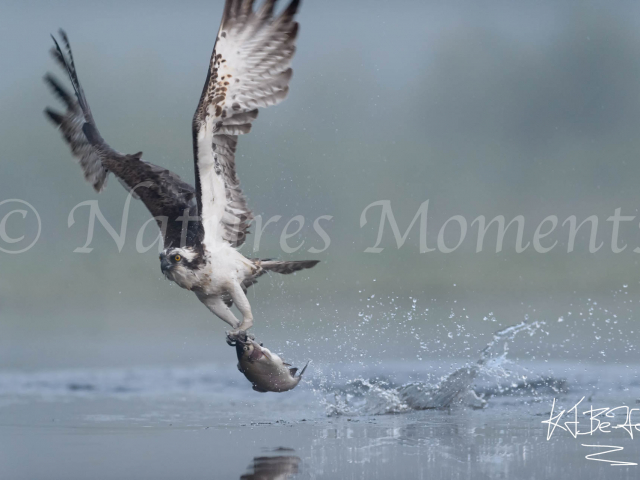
{"points": [[272, 468], [433, 444]]}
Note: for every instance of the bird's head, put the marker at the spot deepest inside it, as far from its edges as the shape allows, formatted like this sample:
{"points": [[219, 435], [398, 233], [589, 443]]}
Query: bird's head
{"points": [[180, 265]]}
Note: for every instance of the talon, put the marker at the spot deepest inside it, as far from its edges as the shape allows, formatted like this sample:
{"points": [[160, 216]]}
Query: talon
{"points": [[236, 335], [233, 337]]}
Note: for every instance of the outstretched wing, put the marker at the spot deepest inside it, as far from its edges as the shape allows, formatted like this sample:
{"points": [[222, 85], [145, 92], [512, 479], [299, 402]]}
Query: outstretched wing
{"points": [[165, 195], [249, 69]]}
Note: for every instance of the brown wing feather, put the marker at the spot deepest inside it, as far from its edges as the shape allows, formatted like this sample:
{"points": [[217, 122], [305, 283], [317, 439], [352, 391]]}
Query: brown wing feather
{"points": [[164, 194]]}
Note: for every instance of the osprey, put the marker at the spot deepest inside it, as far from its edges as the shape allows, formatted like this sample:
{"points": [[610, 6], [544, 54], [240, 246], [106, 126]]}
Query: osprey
{"points": [[202, 226]]}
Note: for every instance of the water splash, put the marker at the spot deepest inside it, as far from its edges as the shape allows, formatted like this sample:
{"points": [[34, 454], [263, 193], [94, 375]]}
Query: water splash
{"points": [[376, 397]]}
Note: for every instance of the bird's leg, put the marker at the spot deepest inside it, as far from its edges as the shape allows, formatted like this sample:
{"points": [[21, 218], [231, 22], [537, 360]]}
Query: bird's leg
{"points": [[218, 307], [225, 313], [241, 301]]}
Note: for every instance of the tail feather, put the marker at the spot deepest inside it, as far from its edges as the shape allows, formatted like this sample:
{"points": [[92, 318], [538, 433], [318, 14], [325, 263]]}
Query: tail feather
{"points": [[277, 266], [287, 267]]}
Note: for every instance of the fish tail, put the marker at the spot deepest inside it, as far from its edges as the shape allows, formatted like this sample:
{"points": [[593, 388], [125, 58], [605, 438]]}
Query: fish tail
{"points": [[305, 367]]}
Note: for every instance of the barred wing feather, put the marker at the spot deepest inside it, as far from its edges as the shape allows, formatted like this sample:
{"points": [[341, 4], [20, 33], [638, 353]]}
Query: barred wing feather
{"points": [[249, 69]]}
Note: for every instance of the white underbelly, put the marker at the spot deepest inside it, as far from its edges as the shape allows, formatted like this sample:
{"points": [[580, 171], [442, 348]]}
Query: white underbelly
{"points": [[225, 268]]}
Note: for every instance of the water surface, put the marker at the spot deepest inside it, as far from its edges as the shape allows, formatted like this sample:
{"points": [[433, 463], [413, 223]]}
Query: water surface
{"points": [[205, 422]]}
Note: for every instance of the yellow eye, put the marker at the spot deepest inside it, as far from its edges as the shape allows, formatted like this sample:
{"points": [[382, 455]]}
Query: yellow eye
{"points": [[177, 258]]}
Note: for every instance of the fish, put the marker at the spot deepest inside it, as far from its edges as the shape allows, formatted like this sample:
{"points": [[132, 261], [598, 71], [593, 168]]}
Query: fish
{"points": [[266, 371]]}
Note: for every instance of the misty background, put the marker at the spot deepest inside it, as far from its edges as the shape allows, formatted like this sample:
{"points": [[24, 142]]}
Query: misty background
{"points": [[482, 108]]}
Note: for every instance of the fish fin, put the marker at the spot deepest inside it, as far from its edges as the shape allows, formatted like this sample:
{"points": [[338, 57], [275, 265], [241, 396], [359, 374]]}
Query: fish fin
{"points": [[258, 389], [286, 364], [305, 367], [292, 370]]}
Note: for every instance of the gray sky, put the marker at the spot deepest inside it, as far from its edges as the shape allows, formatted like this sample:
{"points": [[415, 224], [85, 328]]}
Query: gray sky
{"points": [[492, 108]]}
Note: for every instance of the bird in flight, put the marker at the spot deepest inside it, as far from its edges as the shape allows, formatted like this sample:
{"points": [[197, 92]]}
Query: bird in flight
{"points": [[203, 226]]}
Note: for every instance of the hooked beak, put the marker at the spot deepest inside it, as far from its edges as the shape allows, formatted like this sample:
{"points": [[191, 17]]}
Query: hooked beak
{"points": [[165, 265]]}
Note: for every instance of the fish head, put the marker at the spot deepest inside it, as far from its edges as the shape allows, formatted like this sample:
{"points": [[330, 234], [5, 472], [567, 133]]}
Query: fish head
{"points": [[248, 350]]}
